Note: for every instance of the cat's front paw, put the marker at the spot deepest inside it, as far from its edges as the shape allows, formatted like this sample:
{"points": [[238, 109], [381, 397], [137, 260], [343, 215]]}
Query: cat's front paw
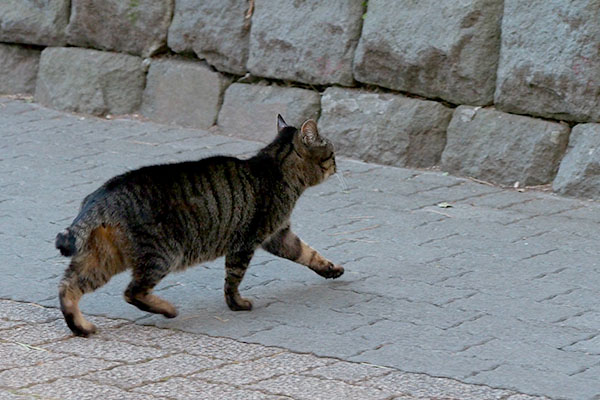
{"points": [[331, 271], [238, 303]]}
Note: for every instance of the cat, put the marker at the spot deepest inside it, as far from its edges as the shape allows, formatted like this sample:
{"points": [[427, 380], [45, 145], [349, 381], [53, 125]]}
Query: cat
{"points": [[164, 218]]}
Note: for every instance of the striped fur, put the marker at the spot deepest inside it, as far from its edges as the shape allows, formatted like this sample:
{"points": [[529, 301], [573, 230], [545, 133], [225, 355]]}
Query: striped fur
{"points": [[164, 218]]}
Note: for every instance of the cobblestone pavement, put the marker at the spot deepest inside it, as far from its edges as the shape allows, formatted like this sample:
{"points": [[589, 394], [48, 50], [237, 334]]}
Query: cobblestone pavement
{"points": [[498, 292]]}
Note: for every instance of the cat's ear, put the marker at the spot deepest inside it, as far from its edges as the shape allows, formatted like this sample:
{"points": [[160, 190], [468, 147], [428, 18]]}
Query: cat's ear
{"points": [[309, 132], [281, 125]]}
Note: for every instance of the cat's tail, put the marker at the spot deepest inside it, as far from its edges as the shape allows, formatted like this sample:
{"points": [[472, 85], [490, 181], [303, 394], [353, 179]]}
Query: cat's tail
{"points": [[66, 243], [72, 240]]}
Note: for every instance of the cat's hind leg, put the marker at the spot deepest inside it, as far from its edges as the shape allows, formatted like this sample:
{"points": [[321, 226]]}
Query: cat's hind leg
{"points": [[101, 259], [236, 265], [284, 243], [146, 276]]}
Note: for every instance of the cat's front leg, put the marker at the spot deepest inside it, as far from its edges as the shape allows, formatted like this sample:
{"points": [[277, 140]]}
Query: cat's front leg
{"points": [[284, 243], [235, 268]]}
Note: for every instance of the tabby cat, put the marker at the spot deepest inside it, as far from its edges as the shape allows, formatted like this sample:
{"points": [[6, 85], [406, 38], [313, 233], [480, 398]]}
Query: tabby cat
{"points": [[164, 218]]}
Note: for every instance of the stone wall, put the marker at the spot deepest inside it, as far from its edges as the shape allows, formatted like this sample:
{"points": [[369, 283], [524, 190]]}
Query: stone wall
{"points": [[501, 90]]}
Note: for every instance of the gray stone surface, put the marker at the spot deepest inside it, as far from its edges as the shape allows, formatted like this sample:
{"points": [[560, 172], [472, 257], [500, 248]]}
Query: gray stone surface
{"points": [[550, 59], [384, 128], [201, 26], [250, 111], [34, 22], [579, 172], [19, 66], [448, 52], [90, 81], [183, 92], [499, 290], [309, 41], [138, 26], [502, 148]]}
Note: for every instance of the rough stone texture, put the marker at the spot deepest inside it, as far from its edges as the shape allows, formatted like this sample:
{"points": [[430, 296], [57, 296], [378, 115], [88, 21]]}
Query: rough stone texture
{"points": [[501, 289], [201, 26], [19, 66], [579, 172], [503, 148], [309, 41], [250, 111], [34, 22], [89, 81], [384, 128], [550, 59], [448, 52], [137, 26], [183, 92]]}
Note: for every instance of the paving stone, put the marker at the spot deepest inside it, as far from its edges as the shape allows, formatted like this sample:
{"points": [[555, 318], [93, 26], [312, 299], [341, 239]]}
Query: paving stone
{"points": [[34, 22], [105, 350], [79, 389], [550, 72], [502, 148], [423, 386], [536, 382], [98, 82], [213, 347], [267, 367], [20, 66], [286, 44], [35, 334], [189, 388], [392, 129], [577, 175], [200, 26], [51, 370], [27, 312], [443, 291], [129, 376], [136, 27], [250, 111], [348, 372], [183, 92], [589, 345], [22, 355], [13, 395], [453, 56]]}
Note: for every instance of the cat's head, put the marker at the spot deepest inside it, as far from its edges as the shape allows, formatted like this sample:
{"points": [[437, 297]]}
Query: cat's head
{"points": [[315, 156]]}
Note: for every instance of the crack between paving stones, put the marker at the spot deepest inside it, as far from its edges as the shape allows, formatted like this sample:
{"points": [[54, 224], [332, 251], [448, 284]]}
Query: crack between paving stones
{"points": [[437, 239], [566, 292], [585, 339], [576, 315], [481, 343], [538, 254], [545, 274], [530, 237]]}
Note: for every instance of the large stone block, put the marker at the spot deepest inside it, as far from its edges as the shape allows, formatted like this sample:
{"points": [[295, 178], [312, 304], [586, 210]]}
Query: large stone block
{"points": [[136, 26], [550, 59], [384, 128], [310, 41], [89, 81], [503, 148], [19, 66], [579, 172], [216, 30], [447, 51], [183, 92], [34, 22], [250, 111]]}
